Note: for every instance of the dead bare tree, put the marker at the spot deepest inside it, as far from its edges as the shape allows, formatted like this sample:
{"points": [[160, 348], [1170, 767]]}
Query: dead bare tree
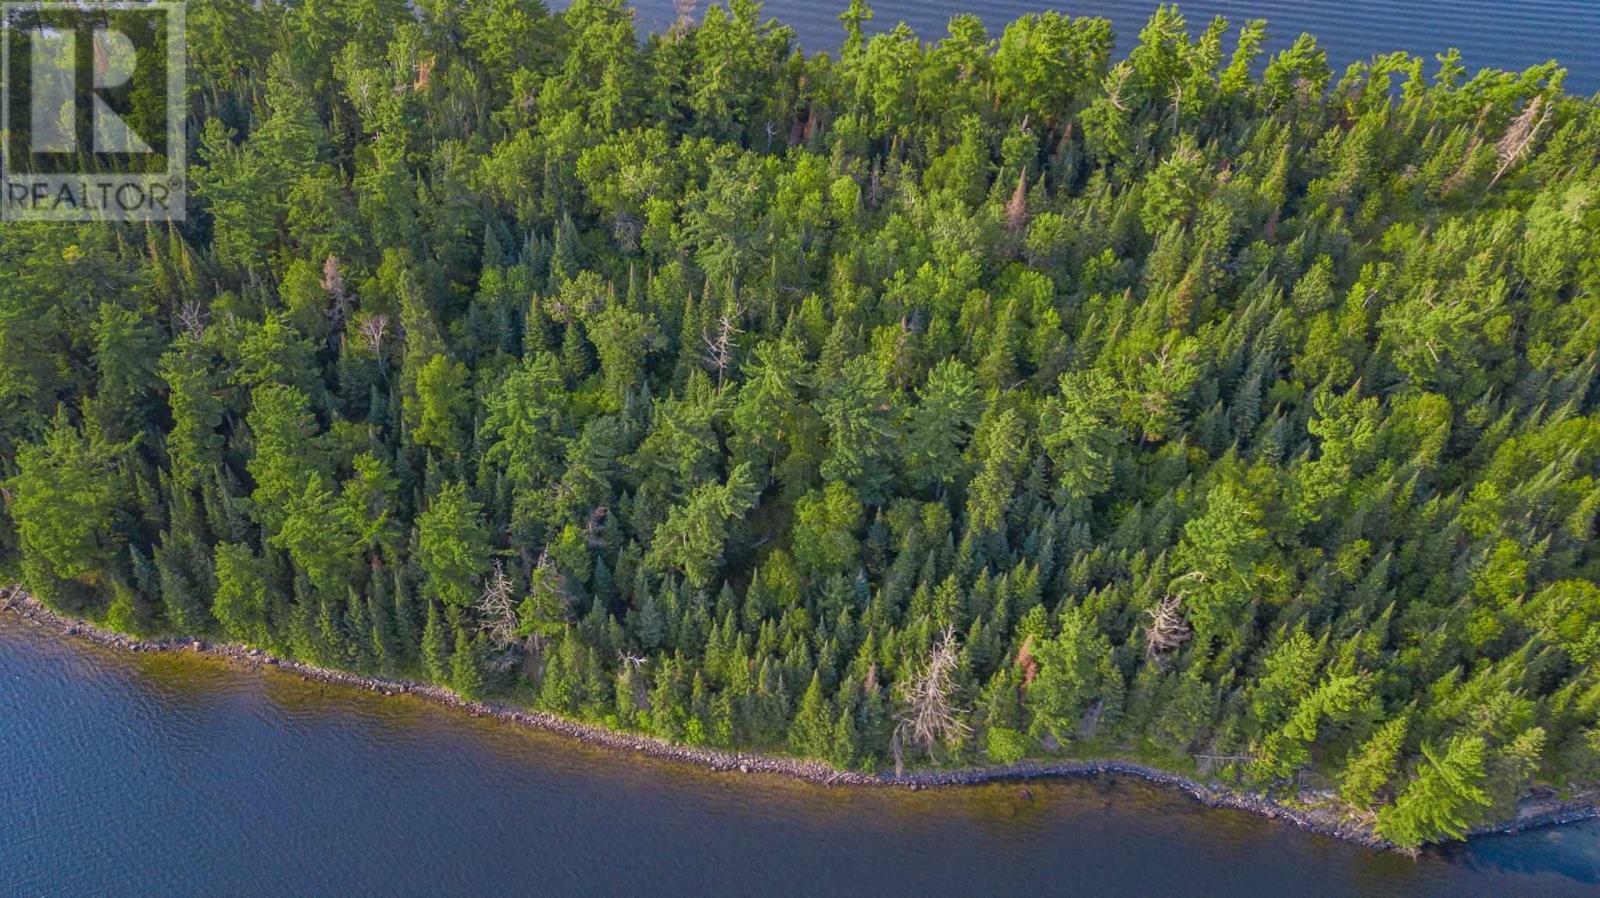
{"points": [[627, 228], [1518, 139], [1209, 764], [719, 348], [592, 532], [684, 11], [931, 716], [373, 329], [193, 318], [1168, 630], [424, 70], [497, 610], [1116, 82], [630, 669]]}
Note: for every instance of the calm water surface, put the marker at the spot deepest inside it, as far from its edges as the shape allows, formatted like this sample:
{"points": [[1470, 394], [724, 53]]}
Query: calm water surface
{"points": [[140, 775], [1512, 34]]}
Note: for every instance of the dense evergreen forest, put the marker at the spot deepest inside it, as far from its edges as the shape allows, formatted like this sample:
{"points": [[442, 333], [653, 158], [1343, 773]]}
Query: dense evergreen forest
{"points": [[919, 403]]}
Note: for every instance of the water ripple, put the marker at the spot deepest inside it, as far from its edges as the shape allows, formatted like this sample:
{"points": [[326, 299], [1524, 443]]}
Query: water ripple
{"points": [[177, 775], [1510, 34]]}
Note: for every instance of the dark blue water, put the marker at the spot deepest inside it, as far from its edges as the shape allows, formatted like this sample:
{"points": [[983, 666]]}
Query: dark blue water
{"points": [[175, 775], [1511, 34]]}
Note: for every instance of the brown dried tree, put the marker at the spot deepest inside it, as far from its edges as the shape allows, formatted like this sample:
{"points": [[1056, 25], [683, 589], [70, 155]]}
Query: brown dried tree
{"points": [[1518, 139], [1017, 208], [333, 284], [424, 70], [1116, 82], [1027, 663]]}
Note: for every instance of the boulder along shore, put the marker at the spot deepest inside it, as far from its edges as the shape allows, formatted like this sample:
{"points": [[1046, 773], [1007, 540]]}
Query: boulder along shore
{"points": [[1532, 814]]}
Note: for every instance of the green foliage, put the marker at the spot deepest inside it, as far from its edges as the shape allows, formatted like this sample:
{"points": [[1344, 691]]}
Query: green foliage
{"points": [[452, 547], [1374, 765], [826, 522], [692, 538], [284, 431], [1444, 800], [466, 677], [439, 407], [63, 499], [1003, 745], [241, 603], [435, 650], [124, 614], [1069, 677], [701, 386], [812, 735]]}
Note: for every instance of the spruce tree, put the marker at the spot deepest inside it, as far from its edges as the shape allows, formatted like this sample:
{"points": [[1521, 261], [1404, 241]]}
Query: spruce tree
{"points": [[435, 652], [466, 675], [811, 735], [1444, 799]]}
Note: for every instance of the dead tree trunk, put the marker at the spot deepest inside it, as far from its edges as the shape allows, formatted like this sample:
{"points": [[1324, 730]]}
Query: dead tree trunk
{"points": [[931, 716]]}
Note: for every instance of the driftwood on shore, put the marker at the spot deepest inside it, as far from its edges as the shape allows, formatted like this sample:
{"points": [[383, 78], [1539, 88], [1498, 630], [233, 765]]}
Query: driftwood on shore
{"points": [[1532, 815]]}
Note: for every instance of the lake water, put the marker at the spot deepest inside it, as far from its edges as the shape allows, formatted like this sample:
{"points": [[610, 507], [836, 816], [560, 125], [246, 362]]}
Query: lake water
{"points": [[177, 775], [1510, 34]]}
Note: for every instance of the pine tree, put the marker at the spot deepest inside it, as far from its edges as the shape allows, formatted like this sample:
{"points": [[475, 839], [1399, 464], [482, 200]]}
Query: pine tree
{"points": [[812, 733], [435, 653], [1374, 765], [240, 605], [1068, 676], [1443, 800], [125, 614], [62, 499], [466, 676], [846, 743], [452, 547]]}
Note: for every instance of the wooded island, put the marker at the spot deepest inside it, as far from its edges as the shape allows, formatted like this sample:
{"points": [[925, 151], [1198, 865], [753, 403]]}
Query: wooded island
{"points": [[916, 404]]}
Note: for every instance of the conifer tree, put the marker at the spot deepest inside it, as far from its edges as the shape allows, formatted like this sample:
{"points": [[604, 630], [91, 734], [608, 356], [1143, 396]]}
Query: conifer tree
{"points": [[466, 677], [452, 547], [1443, 800], [435, 651], [812, 733], [1374, 765]]}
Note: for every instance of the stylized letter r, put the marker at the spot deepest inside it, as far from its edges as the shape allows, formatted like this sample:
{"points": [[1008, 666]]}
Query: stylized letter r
{"points": [[55, 90]]}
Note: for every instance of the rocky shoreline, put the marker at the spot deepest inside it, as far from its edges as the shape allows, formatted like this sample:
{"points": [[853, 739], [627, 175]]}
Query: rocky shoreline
{"points": [[1326, 822]]}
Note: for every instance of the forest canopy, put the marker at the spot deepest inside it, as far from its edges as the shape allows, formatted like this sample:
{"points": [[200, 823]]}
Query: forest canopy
{"points": [[917, 403]]}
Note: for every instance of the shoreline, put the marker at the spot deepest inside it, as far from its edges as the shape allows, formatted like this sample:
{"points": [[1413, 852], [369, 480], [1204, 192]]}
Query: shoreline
{"points": [[1534, 814]]}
